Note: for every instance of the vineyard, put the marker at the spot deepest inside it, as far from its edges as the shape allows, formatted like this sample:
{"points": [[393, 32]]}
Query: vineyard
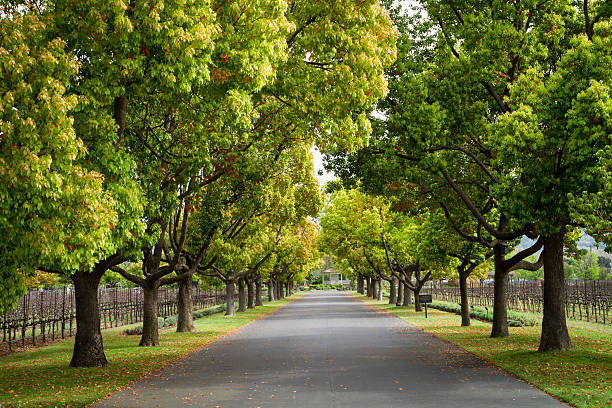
{"points": [[585, 300], [44, 315]]}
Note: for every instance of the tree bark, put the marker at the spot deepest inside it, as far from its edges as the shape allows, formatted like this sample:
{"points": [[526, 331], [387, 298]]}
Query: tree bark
{"points": [[369, 284], [500, 313], [185, 306], [417, 304], [554, 327], [88, 348], [250, 294], [392, 292], [230, 289], [242, 301], [380, 289], [150, 331], [465, 307], [407, 296], [258, 300], [271, 290], [400, 293], [360, 284]]}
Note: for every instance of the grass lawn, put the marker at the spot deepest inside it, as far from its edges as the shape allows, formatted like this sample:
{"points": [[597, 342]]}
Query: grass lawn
{"points": [[41, 377], [581, 377]]}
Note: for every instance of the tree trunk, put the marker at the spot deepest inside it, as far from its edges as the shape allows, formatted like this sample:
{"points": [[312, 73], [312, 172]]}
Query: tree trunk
{"points": [[374, 293], [407, 296], [500, 313], [360, 284], [258, 300], [250, 294], [242, 306], [369, 285], [88, 348], [150, 331], [417, 304], [271, 291], [287, 288], [230, 290], [465, 307], [400, 293], [392, 292], [554, 327], [185, 306], [380, 289]]}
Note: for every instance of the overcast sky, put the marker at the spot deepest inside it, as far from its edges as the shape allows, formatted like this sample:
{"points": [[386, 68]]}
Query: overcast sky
{"points": [[318, 166]]}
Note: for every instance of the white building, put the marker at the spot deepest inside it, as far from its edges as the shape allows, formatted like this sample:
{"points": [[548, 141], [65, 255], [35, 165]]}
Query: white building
{"points": [[333, 277]]}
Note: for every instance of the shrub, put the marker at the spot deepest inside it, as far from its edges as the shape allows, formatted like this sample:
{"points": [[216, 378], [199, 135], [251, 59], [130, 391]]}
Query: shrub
{"points": [[337, 286], [172, 320], [515, 319]]}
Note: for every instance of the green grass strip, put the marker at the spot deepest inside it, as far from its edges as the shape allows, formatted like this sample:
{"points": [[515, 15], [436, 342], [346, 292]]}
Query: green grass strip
{"points": [[41, 377], [581, 377]]}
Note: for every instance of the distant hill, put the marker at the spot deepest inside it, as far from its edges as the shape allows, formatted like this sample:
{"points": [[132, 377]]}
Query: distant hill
{"points": [[585, 242]]}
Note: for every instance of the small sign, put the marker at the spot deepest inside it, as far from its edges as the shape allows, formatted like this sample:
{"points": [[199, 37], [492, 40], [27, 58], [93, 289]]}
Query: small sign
{"points": [[425, 299]]}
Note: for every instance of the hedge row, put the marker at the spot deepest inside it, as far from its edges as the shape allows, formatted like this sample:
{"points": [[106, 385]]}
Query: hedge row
{"points": [[337, 286], [515, 319], [172, 320]]}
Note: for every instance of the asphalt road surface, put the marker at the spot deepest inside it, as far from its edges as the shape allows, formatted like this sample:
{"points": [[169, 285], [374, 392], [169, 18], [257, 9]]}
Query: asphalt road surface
{"points": [[327, 349]]}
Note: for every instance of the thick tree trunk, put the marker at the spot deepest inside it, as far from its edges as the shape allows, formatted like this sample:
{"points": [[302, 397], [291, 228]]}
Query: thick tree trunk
{"points": [[554, 327], [150, 331], [374, 293], [500, 313], [230, 290], [370, 286], [271, 291], [380, 289], [465, 307], [287, 288], [360, 284], [88, 348], [400, 293], [242, 301], [250, 294], [185, 306], [392, 292], [417, 304], [258, 300], [407, 296]]}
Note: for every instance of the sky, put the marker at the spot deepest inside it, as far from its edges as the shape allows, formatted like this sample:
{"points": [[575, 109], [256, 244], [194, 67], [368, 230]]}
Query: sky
{"points": [[318, 166]]}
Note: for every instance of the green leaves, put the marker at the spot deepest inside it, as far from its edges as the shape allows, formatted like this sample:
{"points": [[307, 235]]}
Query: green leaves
{"points": [[54, 210]]}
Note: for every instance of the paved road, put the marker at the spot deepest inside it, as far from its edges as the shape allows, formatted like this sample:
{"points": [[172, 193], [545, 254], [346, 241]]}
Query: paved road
{"points": [[329, 350]]}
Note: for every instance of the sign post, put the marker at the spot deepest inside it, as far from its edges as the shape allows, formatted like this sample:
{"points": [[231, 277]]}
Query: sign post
{"points": [[425, 299]]}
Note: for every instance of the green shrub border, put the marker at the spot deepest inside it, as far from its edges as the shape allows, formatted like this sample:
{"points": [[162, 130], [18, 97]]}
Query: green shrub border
{"points": [[172, 320], [337, 286], [515, 319]]}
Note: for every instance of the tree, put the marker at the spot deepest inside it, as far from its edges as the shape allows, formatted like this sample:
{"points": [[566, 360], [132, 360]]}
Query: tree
{"points": [[54, 210], [482, 121], [171, 98]]}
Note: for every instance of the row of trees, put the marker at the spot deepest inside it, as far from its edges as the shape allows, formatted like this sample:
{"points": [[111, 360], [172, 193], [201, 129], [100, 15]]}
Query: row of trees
{"points": [[498, 118], [372, 243], [174, 134]]}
